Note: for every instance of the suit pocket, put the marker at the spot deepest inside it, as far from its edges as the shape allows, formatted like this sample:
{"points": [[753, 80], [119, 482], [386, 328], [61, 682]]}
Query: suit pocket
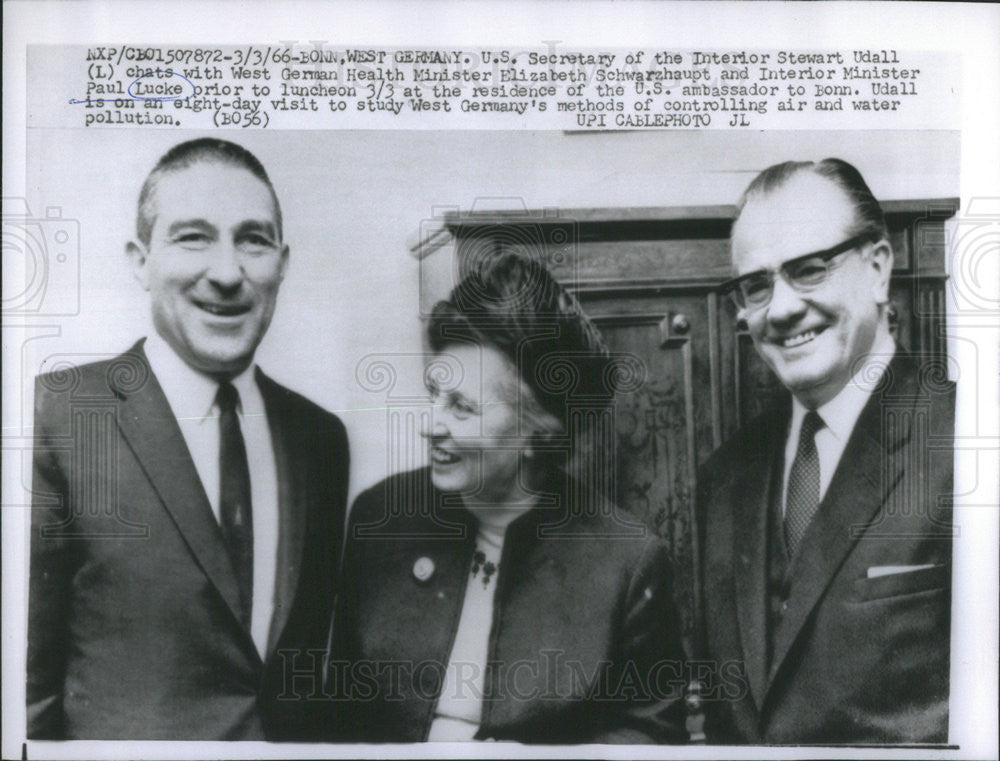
{"points": [[904, 583]]}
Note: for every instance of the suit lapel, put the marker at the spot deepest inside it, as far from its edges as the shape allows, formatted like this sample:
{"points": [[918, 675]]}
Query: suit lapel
{"points": [[293, 488], [148, 425], [869, 469], [751, 498]]}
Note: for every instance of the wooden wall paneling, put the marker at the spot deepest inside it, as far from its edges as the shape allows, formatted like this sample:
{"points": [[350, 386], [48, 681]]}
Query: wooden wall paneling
{"points": [[657, 430]]}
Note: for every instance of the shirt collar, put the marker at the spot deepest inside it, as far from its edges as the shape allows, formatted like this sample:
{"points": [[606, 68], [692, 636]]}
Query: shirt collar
{"points": [[191, 394], [842, 412], [251, 401]]}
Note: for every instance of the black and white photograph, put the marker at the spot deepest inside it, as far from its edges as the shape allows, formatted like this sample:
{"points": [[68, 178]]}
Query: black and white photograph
{"points": [[537, 435]]}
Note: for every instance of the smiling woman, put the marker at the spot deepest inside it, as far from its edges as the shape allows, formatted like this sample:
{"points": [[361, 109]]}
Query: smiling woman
{"points": [[478, 438], [505, 528]]}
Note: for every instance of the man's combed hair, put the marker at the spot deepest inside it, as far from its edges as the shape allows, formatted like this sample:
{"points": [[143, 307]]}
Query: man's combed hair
{"points": [[868, 216], [203, 150]]}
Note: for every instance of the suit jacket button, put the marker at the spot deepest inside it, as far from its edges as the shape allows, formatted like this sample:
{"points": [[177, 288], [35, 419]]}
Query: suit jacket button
{"points": [[423, 569]]}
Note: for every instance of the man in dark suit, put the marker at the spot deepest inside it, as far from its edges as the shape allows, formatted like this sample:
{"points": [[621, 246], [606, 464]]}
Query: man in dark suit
{"points": [[187, 510], [825, 524]]}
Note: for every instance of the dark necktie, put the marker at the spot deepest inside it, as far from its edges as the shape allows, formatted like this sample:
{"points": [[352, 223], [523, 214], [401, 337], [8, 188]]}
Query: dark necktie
{"points": [[235, 510], [803, 484]]}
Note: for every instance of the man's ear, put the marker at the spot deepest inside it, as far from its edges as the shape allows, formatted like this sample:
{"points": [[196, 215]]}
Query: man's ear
{"points": [[881, 260], [284, 261], [138, 258], [741, 320]]}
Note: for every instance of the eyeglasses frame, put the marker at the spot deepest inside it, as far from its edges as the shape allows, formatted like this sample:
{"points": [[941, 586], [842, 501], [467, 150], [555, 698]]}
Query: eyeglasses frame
{"points": [[731, 287]]}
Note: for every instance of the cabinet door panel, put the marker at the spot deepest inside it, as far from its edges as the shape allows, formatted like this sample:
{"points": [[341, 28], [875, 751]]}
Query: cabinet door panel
{"points": [[660, 423]]}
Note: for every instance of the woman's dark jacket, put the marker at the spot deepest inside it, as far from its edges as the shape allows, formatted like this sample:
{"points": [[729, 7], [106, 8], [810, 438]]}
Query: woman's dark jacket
{"points": [[584, 647]]}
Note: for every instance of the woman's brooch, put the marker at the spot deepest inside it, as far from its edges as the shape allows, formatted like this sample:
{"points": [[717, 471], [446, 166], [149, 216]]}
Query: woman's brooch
{"points": [[488, 566]]}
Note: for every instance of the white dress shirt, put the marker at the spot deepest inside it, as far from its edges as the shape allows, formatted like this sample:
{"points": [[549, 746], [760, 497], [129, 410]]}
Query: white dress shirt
{"points": [[839, 415], [191, 396]]}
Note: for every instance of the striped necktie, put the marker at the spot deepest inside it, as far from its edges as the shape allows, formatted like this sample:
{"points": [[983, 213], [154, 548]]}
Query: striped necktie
{"points": [[803, 484]]}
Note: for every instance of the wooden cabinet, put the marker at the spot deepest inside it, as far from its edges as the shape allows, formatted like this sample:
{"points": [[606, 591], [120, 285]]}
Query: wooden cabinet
{"points": [[648, 278]]}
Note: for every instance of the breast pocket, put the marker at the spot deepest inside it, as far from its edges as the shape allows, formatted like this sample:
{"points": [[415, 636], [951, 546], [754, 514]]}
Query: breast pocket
{"points": [[936, 577]]}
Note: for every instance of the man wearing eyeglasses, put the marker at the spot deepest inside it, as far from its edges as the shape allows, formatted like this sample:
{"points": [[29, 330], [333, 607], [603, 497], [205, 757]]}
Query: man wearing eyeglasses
{"points": [[825, 524]]}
